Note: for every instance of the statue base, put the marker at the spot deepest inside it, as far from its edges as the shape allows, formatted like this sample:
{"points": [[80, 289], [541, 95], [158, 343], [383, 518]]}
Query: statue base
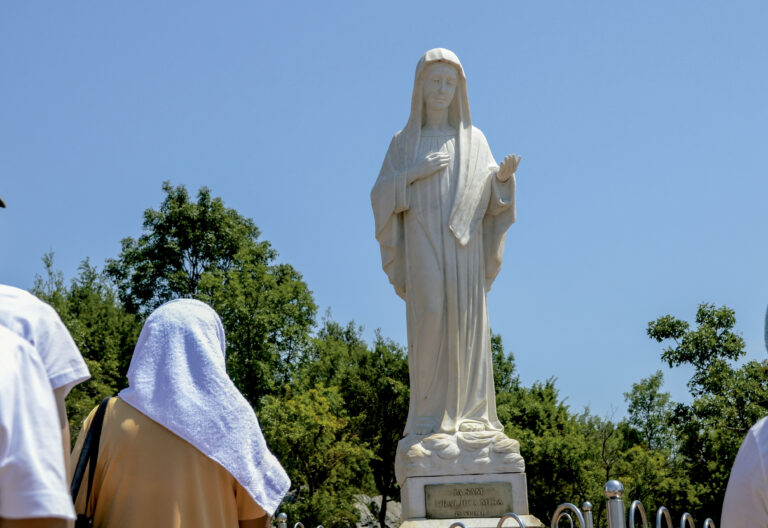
{"points": [[461, 453], [478, 501]]}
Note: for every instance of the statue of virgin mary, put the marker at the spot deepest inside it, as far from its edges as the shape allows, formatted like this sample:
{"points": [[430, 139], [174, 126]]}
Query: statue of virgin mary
{"points": [[442, 207]]}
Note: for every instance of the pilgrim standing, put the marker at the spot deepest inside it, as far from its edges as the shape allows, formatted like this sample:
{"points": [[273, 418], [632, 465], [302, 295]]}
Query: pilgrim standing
{"points": [[746, 497], [40, 364], [181, 447], [38, 323], [33, 487]]}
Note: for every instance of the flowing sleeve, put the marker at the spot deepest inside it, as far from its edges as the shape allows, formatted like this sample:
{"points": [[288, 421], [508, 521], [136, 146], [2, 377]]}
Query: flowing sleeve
{"points": [[503, 198], [500, 215], [390, 193], [389, 199]]}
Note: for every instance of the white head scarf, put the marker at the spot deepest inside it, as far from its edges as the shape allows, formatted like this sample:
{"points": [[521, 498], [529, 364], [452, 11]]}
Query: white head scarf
{"points": [[178, 378]]}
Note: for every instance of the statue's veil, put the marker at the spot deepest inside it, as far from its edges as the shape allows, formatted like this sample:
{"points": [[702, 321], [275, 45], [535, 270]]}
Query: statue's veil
{"points": [[458, 117], [459, 111], [475, 167]]}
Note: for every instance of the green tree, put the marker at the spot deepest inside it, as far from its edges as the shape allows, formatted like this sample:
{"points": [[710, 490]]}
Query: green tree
{"points": [[210, 252], [182, 241], [553, 444], [377, 395], [103, 330], [373, 382], [505, 378], [709, 348], [727, 399], [655, 479], [308, 431], [650, 412]]}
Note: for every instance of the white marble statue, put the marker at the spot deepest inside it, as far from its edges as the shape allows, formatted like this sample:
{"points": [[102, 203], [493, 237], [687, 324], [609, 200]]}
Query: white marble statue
{"points": [[442, 207]]}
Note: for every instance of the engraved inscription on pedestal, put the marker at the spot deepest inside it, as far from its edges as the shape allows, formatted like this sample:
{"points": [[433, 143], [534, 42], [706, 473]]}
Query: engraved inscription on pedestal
{"points": [[458, 501]]}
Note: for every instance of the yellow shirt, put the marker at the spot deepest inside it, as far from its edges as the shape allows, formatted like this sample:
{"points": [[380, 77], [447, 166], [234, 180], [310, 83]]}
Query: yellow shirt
{"points": [[148, 477]]}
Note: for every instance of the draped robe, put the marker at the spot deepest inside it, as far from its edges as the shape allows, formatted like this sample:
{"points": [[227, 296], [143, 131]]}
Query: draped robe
{"points": [[442, 240]]}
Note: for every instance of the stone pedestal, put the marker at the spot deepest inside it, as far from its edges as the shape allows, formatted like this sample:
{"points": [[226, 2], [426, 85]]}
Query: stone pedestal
{"points": [[477, 500]]}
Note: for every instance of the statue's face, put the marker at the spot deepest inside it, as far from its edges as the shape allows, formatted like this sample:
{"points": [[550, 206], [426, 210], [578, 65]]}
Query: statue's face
{"points": [[440, 80]]}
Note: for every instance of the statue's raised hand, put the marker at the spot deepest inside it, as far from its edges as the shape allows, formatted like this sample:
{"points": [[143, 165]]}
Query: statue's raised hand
{"points": [[428, 166], [508, 167]]}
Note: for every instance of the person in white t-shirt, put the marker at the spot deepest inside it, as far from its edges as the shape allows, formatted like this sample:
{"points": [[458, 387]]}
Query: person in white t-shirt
{"points": [[40, 325], [746, 498], [33, 487], [40, 365]]}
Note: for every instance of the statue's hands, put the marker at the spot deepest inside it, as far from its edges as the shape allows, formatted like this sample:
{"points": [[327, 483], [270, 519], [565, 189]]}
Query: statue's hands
{"points": [[508, 167], [428, 166]]}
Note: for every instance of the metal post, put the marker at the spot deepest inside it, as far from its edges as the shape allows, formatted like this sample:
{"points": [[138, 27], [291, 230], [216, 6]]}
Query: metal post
{"points": [[457, 524], [687, 517], [282, 520], [614, 504], [708, 523], [587, 509]]}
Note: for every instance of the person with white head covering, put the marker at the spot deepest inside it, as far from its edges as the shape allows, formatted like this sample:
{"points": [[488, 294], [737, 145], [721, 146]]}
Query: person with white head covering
{"points": [[442, 207], [181, 446]]}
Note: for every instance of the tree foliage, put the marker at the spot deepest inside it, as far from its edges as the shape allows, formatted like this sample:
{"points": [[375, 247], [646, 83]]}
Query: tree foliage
{"points": [[182, 241], [727, 400], [377, 394], [210, 252], [308, 432], [103, 330], [373, 382], [551, 442], [650, 411], [708, 348], [505, 378]]}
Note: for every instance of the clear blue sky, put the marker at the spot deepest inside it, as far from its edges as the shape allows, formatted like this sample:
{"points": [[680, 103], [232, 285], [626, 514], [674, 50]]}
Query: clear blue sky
{"points": [[643, 129]]}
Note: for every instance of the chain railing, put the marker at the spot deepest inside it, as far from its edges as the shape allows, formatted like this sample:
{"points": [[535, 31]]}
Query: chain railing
{"points": [[614, 506]]}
